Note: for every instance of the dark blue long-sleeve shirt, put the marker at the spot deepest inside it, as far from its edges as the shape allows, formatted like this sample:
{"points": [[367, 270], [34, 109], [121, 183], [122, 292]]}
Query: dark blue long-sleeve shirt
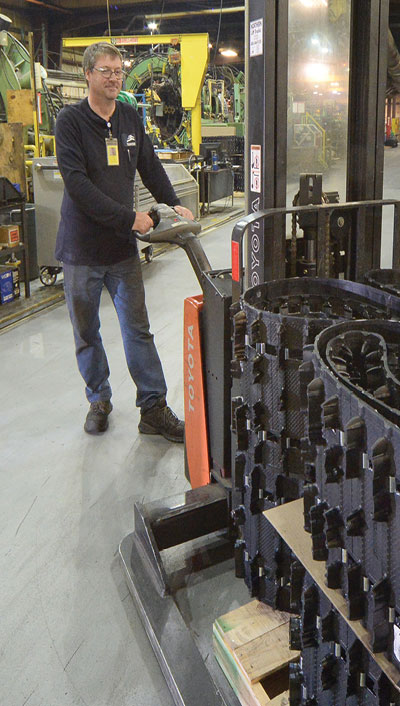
{"points": [[97, 209]]}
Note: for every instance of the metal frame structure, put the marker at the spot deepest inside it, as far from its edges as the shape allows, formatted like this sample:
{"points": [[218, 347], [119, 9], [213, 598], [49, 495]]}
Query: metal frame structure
{"points": [[368, 78], [266, 123], [266, 133]]}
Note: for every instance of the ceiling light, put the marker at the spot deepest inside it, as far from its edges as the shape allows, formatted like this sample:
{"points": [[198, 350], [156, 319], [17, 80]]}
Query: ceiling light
{"points": [[316, 71], [314, 3], [228, 52], [152, 25]]}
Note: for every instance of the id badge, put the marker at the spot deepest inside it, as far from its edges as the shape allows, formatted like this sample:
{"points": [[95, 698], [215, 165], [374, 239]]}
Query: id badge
{"points": [[112, 151]]}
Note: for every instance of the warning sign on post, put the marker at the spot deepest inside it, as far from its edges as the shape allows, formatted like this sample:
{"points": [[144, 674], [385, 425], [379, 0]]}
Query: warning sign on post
{"points": [[256, 37], [255, 168]]}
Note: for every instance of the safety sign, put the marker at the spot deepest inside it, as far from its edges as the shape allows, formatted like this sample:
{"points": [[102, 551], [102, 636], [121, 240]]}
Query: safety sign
{"points": [[256, 37], [255, 168]]}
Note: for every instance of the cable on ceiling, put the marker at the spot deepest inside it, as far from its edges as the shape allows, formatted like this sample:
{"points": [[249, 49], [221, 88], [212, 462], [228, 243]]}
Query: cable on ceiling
{"points": [[161, 18], [219, 29], [108, 18]]}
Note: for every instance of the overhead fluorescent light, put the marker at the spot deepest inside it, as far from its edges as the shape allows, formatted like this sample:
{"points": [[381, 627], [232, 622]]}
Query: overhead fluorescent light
{"points": [[314, 3], [228, 52]]}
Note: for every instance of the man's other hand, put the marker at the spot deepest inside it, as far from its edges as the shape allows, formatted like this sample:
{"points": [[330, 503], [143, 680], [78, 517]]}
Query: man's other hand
{"points": [[142, 222], [184, 212]]}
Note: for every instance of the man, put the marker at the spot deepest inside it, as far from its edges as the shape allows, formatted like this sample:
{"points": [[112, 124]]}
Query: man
{"points": [[100, 144]]}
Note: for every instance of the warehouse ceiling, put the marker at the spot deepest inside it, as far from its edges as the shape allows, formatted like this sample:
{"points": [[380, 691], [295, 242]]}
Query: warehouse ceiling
{"points": [[223, 21]]}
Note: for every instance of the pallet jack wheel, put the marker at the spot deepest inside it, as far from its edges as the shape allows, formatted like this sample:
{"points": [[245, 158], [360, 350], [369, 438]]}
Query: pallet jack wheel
{"points": [[148, 253], [47, 276]]}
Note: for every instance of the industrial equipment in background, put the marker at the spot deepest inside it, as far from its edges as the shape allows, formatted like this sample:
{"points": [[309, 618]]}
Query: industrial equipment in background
{"points": [[223, 102], [16, 76], [30, 99], [155, 79]]}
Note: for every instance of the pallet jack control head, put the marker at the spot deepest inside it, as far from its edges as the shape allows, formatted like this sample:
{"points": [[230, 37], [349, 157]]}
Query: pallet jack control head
{"points": [[169, 227]]}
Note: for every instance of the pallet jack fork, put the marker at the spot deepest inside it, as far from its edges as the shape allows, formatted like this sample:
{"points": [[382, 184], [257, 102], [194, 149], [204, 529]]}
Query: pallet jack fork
{"points": [[159, 526], [172, 521]]}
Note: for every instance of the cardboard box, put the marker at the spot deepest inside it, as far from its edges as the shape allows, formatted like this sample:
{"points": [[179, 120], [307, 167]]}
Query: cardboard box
{"points": [[9, 235], [6, 286]]}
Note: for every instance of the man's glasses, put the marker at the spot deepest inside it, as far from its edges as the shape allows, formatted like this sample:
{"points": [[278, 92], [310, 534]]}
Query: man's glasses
{"points": [[107, 73]]}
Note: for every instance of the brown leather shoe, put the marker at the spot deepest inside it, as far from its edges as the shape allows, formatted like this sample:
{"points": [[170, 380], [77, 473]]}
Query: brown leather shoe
{"points": [[160, 419], [97, 417]]}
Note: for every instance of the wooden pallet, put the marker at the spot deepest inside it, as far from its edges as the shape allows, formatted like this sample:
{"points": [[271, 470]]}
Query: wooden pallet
{"points": [[251, 645]]}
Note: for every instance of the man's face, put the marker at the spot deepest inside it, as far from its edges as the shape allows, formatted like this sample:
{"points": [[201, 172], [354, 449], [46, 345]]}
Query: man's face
{"points": [[101, 87]]}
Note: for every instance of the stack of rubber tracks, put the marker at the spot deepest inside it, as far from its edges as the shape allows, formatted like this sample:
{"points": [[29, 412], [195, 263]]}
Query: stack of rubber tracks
{"points": [[353, 508], [335, 668], [273, 458]]}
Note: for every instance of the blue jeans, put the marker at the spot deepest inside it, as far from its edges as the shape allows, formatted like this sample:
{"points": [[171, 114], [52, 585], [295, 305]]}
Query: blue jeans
{"points": [[82, 286]]}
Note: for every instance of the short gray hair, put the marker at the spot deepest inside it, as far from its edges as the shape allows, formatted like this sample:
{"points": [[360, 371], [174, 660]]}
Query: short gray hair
{"points": [[93, 51]]}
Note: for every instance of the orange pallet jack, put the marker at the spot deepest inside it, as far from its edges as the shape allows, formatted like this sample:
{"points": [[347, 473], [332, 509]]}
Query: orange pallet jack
{"points": [[205, 509], [206, 353], [207, 380], [197, 455]]}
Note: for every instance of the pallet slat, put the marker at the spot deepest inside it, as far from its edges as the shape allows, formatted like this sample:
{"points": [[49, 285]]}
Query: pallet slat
{"points": [[251, 645], [266, 654]]}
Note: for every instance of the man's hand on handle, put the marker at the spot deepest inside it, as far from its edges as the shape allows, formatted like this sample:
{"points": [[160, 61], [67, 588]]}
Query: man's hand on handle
{"points": [[142, 222], [184, 212]]}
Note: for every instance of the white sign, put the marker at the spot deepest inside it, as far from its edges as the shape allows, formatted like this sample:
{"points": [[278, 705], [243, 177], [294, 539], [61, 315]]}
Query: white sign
{"points": [[255, 168], [256, 37], [396, 642]]}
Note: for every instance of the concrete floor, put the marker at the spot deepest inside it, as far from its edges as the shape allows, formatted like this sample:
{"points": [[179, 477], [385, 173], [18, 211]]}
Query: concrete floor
{"points": [[69, 633]]}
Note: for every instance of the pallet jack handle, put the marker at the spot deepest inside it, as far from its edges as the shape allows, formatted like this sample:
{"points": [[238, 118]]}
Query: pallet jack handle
{"points": [[170, 227]]}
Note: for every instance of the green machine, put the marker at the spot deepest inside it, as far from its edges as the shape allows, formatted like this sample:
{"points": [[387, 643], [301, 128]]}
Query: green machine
{"points": [[223, 98], [15, 74], [155, 78]]}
